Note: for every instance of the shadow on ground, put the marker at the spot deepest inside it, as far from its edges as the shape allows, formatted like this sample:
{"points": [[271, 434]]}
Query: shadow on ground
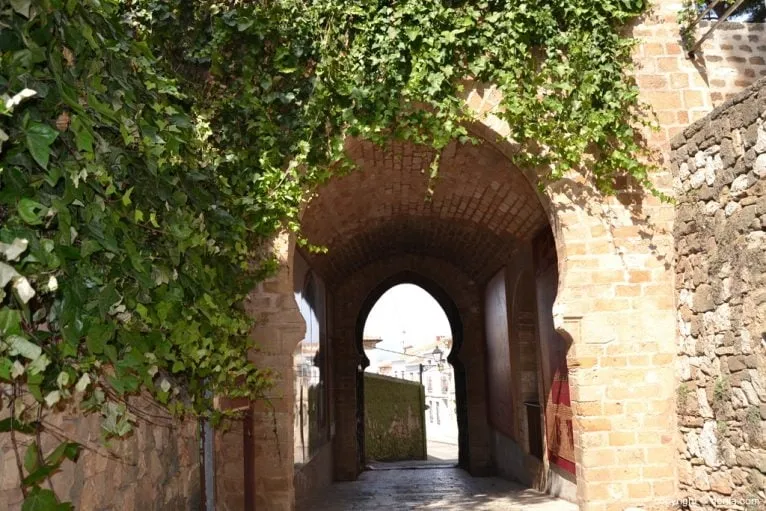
{"points": [[430, 487]]}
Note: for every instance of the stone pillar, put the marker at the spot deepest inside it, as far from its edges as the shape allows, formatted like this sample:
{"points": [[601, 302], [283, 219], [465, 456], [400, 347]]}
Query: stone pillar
{"points": [[278, 329]]}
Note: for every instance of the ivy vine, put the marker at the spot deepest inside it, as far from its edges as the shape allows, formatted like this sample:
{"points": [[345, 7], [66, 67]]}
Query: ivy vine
{"points": [[149, 149]]}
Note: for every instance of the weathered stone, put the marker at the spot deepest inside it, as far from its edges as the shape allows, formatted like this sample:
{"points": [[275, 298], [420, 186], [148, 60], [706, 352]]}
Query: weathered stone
{"points": [[757, 378], [736, 379], [697, 179], [752, 459], [703, 300], [701, 479], [760, 166], [708, 444], [728, 453], [739, 476], [750, 393], [721, 482], [704, 408], [731, 208], [736, 364], [685, 472], [741, 183], [738, 398]]}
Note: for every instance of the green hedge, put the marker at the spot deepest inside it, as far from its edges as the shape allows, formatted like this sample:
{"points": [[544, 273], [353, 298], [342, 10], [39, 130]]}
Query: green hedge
{"points": [[394, 420]]}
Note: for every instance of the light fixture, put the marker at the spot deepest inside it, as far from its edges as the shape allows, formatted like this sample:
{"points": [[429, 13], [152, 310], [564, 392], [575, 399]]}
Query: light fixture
{"points": [[437, 354]]}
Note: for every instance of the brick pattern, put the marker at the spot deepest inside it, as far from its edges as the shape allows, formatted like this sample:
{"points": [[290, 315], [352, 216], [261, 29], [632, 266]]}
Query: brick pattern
{"points": [[278, 329], [478, 212], [669, 82], [720, 167], [734, 58], [156, 468], [229, 468]]}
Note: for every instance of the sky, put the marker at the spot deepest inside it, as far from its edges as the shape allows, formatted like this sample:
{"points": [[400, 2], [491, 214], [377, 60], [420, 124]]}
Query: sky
{"points": [[405, 312]]}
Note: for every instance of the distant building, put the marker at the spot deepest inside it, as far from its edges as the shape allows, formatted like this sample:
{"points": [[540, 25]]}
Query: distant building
{"points": [[438, 379]]}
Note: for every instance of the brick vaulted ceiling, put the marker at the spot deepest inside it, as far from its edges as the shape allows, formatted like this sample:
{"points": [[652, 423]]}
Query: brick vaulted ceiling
{"points": [[480, 210]]}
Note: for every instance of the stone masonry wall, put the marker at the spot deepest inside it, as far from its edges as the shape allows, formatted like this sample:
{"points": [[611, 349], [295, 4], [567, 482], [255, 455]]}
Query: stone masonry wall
{"points": [[720, 177], [156, 468]]}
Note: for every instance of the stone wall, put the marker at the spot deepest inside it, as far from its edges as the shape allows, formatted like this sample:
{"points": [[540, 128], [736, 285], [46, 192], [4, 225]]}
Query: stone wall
{"points": [[394, 419], [156, 468], [720, 176]]}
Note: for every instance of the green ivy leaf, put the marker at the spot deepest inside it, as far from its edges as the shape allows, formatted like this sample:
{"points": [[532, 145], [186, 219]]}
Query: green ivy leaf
{"points": [[31, 211], [65, 450], [44, 500], [40, 137], [21, 7], [97, 337], [6, 425], [6, 367], [83, 136], [89, 247], [31, 458], [10, 322]]}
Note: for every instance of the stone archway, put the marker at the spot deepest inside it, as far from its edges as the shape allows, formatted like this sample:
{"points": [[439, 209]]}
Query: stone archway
{"points": [[614, 302], [378, 223]]}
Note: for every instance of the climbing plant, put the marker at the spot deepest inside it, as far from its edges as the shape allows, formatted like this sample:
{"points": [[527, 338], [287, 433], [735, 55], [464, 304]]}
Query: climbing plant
{"points": [[151, 148]]}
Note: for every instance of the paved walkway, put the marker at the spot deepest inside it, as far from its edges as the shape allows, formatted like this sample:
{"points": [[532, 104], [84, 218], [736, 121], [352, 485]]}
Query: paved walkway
{"points": [[430, 487], [441, 451]]}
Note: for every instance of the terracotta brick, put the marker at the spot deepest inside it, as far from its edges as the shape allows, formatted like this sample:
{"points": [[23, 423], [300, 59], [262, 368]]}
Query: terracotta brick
{"points": [[639, 490], [627, 291], [653, 49], [668, 64], [619, 438], [652, 82], [694, 99], [665, 100]]}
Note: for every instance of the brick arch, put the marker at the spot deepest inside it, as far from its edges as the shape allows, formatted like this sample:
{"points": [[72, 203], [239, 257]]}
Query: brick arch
{"points": [[481, 212], [481, 208], [614, 308], [460, 298], [614, 299], [555, 199]]}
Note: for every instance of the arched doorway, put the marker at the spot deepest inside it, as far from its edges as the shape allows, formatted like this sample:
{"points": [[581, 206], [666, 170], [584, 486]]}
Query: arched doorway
{"points": [[381, 227], [613, 300], [452, 313]]}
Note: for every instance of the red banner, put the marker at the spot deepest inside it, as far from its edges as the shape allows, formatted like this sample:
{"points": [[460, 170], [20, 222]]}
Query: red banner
{"points": [[558, 406], [558, 412]]}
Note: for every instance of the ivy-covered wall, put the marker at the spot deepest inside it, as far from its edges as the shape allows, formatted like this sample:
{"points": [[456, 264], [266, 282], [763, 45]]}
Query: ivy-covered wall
{"points": [[394, 419], [155, 468]]}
